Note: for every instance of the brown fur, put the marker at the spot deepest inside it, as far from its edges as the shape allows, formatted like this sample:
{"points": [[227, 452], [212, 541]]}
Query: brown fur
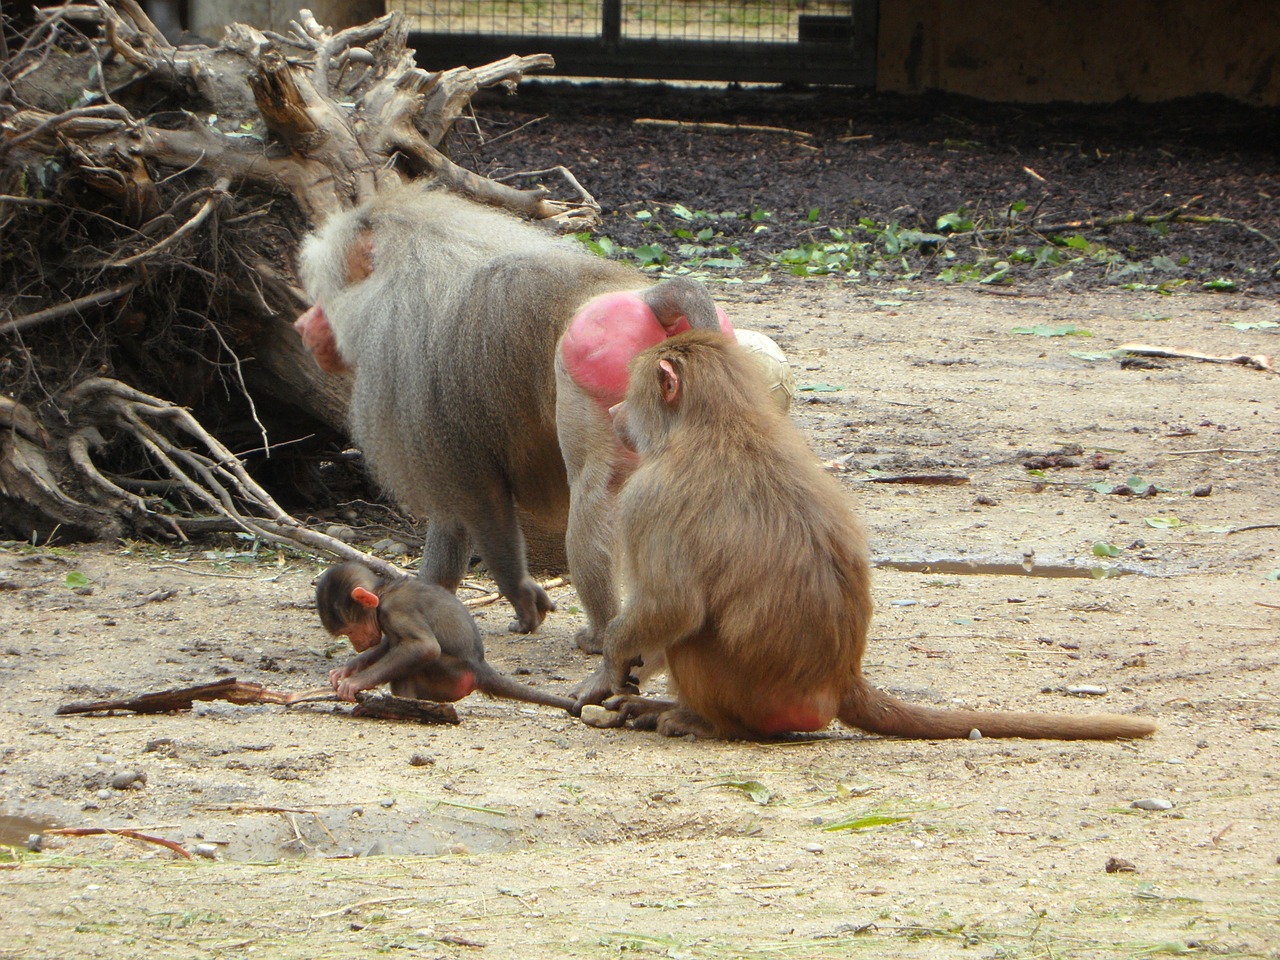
{"points": [[421, 640], [750, 574]]}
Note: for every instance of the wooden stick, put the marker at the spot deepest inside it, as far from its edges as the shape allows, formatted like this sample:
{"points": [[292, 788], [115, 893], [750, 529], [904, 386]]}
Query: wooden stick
{"points": [[722, 127], [384, 706], [1258, 362], [933, 479], [489, 598], [166, 701], [116, 832]]}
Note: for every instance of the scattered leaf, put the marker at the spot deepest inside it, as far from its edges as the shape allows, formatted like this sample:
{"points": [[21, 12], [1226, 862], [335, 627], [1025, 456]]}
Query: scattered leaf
{"points": [[1094, 357], [1221, 285], [1259, 325], [754, 789], [864, 822], [1274, 575], [1047, 330], [1165, 523], [1102, 549], [77, 579], [819, 388]]}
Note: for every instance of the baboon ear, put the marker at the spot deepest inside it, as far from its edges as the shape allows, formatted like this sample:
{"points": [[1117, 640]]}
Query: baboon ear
{"points": [[365, 598], [668, 381]]}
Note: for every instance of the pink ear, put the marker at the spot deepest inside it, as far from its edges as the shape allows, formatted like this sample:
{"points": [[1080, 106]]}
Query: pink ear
{"points": [[365, 598], [668, 381]]}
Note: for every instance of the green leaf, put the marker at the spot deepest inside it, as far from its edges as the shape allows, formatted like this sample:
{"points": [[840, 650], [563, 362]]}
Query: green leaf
{"points": [[819, 388], [1102, 487], [644, 215], [1001, 271], [603, 247], [1047, 330], [1102, 549], [1273, 575], [865, 822], [723, 263], [1221, 284], [1259, 325], [1139, 486], [1093, 357], [813, 215], [77, 579], [955, 222], [1165, 523], [650, 254], [754, 789], [682, 212]]}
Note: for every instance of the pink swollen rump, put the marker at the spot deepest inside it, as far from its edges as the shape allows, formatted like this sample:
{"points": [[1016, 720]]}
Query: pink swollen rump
{"points": [[606, 334]]}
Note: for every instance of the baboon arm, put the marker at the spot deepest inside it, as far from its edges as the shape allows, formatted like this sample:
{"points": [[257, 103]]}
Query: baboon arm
{"points": [[404, 657]]}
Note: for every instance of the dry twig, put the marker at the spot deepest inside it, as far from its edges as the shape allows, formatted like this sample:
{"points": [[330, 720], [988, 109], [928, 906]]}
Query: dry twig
{"points": [[117, 832]]}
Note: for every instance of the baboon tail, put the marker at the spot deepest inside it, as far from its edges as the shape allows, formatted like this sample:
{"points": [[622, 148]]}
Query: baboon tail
{"points": [[876, 712]]}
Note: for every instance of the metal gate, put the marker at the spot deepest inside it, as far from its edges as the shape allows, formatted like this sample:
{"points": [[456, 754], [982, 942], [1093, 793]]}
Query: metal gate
{"points": [[766, 41]]}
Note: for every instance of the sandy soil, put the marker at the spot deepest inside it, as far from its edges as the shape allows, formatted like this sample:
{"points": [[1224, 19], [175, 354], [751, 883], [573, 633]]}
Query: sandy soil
{"points": [[523, 833]]}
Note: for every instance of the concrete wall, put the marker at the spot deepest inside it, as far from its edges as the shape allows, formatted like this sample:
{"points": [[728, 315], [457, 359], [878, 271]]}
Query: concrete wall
{"points": [[1091, 51]]}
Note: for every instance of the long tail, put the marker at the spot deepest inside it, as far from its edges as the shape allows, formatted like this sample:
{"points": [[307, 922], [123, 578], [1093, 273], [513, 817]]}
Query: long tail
{"points": [[497, 684], [876, 712]]}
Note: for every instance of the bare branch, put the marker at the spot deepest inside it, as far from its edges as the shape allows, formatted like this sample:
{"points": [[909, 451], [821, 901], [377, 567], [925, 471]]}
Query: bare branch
{"points": [[95, 299]]}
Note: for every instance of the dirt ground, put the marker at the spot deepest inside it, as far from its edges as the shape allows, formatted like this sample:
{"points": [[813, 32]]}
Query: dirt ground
{"points": [[523, 833]]}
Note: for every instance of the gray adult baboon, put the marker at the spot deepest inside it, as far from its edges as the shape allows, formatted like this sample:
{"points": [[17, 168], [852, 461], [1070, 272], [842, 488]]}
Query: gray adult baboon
{"points": [[450, 313]]}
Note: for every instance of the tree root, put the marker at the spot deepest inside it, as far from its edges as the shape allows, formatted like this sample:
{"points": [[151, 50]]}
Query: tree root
{"points": [[184, 464]]}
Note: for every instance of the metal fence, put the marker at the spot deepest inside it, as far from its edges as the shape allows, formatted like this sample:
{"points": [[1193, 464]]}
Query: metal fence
{"points": [[811, 41]]}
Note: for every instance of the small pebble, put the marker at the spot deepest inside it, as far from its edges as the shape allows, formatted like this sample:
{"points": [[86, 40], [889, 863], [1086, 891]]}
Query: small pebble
{"points": [[207, 850], [594, 715], [1116, 865], [1152, 803], [103, 794], [388, 803], [975, 734], [1203, 491], [340, 532], [421, 760], [1086, 689], [35, 842], [125, 779], [459, 849], [813, 848]]}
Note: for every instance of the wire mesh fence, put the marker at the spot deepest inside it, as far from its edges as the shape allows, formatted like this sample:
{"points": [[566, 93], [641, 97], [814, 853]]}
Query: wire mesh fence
{"points": [[735, 21], [808, 41]]}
